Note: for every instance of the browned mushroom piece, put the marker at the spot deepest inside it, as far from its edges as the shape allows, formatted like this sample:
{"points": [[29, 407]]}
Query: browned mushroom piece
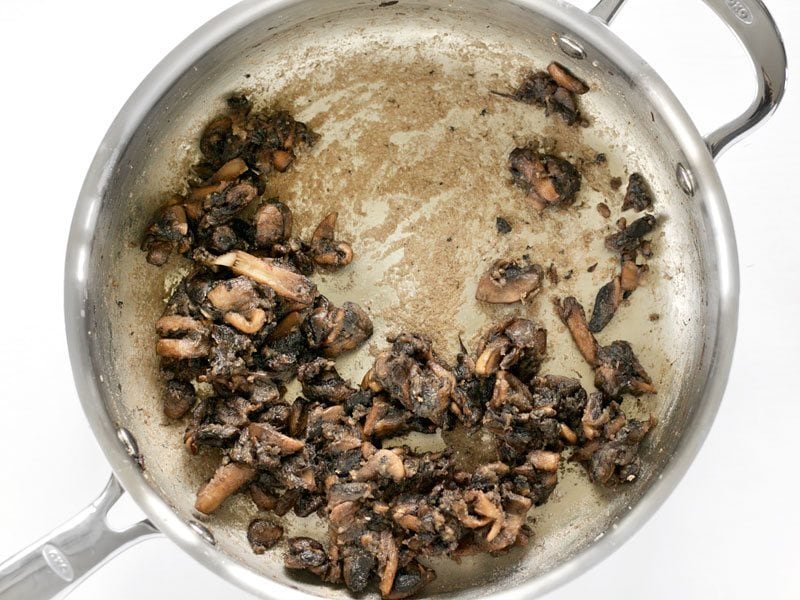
{"points": [[266, 271], [182, 338], [540, 88], [619, 371], [517, 345], [630, 275], [327, 251], [611, 452], [336, 330], [222, 206], [263, 535], [606, 304], [411, 375], [242, 303], [509, 281], [384, 463], [565, 79], [169, 232], [572, 314], [630, 239], [321, 381], [638, 196], [273, 222], [410, 580], [230, 171], [388, 560], [226, 481], [178, 399], [358, 568], [218, 142], [547, 179], [306, 554]]}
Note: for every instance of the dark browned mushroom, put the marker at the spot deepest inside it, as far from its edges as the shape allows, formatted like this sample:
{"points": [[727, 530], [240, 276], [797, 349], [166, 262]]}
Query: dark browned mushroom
{"points": [[547, 179], [509, 281], [638, 196], [222, 206], [263, 535], [242, 303], [273, 222], [619, 371], [306, 554], [327, 251], [168, 233], [336, 330], [606, 304], [182, 337], [178, 399], [630, 239], [517, 345]]}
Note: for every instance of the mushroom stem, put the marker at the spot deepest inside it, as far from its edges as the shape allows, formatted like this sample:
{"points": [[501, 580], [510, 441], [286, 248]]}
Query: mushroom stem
{"points": [[226, 481], [266, 271]]}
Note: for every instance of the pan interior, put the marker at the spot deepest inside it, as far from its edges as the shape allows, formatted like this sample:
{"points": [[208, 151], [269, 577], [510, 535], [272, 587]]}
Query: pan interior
{"points": [[413, 156]]}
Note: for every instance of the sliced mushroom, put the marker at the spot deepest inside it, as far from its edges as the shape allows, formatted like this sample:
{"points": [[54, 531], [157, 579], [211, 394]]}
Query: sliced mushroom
{"points": [[327, 251], [547, 179], [509, 281], [571, 313], [388, 560], [630, 239], [619, 371], [168, 233], [606, 304], [263, 535], [565, 79], [222, 206], [638, 196], [178, 399], [307, 554], [242, 304], [338, 330], [283, 281], [516, 345], [230, 171], [410, 580], [273, 221], [182, 338], [225, 482], [384, 463], [272, 438]]}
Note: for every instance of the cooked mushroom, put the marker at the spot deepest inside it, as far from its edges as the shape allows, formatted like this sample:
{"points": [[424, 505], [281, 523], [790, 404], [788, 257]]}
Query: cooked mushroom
{"points": [[571, 313], [283, 281], [273, 222], [542, 89], [182, 338], [358, 567], [168, 233], [307, 554], [384, 463], [388, 560], [410, 580], [243, 303], [321, 381], [547, 179], [178, 399], [327, 251], [516, 345], [629, 239], [509, 281], [606, 304], [222, 206], [638, 196], [565, 79], [263, 535], [630, 275], [226, 481], [230, 171], [619, 371], [338, 330]]}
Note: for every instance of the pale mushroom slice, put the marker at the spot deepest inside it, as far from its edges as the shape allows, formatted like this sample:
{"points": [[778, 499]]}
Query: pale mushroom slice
{"points": [[266, 271], [509, 281], [182, 338], [273, 221], [226, 481]]}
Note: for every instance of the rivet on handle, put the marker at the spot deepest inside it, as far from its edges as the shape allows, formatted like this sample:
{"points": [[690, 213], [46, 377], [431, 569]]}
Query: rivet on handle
{"points": [[202, 531], [570, 47], [685, 179]]}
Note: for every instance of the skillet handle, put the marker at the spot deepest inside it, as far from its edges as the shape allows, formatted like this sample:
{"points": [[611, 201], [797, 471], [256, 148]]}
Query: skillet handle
{"points": [[754, 26], [56, 564]]}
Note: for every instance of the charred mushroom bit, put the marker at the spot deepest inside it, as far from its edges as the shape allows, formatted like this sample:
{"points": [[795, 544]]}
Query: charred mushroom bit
{"points": [[247, 319], [548, 180], [554, 90]]}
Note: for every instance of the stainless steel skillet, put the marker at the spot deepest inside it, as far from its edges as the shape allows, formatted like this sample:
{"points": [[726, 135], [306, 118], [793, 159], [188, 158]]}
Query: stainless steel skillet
{"points": [[398, 93]]}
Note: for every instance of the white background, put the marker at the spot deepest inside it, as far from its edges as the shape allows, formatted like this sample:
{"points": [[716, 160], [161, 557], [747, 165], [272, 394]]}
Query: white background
{"points": [[731, 529]]}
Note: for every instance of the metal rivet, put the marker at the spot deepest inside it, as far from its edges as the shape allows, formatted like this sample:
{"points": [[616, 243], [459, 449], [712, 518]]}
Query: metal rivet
{"points": [[129, 442], [202, 531], [570, 47], [685, 179]]}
